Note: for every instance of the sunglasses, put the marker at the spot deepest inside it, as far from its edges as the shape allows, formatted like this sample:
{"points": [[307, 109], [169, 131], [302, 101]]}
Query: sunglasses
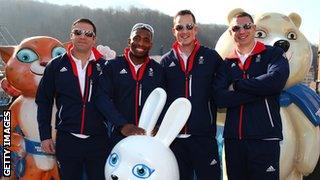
{"points": [[180, 27], [79, 32], [238, 27]]}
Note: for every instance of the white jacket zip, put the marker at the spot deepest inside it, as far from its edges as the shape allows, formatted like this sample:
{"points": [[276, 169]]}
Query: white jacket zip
{"points": [[190, 85], [90, 91], [269, 113], [210, 113], [59, 115], [140, 92]]}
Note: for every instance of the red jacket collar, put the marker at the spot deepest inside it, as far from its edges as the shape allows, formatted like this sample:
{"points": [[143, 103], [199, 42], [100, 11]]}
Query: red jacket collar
{"points": [[175, 45], [97, 55], [136, 76], [189, 67], [259, 47]]}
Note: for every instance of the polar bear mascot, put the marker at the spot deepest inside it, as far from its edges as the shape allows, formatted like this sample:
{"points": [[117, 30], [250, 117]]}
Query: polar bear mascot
{"points": [[300, 112], [147, 157]]}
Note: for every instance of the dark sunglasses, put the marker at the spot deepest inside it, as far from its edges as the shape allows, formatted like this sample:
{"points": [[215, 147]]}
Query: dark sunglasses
{"points": [[79, 32], [180, 27], [237, 27]]}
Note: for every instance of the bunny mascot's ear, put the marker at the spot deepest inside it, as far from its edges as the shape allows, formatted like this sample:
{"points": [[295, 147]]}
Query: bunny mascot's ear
{"points": [[152, 109], [173, 121]]}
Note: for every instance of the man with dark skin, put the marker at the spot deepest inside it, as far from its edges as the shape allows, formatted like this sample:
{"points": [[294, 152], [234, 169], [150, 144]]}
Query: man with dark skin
{"points": [[129, 79]]}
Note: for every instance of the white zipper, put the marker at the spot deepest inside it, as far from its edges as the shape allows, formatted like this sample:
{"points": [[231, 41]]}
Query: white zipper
{"points": [[90, 91], [140, 92], [190, 85], [269, 113], [210, 113], [59, 115]]}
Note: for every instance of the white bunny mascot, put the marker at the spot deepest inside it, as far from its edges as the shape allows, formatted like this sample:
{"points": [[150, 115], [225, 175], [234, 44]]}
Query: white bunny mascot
{"points": [[146, 157]]}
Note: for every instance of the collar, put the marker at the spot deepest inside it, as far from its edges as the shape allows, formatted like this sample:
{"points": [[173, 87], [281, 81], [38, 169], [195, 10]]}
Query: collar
{"points": [[136, 75], [95, 56], [247, 54], [91, 58], [191, 58], [258, 48]]}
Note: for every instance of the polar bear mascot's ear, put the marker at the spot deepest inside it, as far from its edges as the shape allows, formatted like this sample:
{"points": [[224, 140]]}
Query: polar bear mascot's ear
{"points": [[232, 13], [225, 43], [296, 19]]}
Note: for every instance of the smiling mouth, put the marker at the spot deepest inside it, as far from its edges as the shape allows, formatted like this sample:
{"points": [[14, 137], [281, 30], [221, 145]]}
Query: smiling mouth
{"points": [[39, 74], [140, 50]]}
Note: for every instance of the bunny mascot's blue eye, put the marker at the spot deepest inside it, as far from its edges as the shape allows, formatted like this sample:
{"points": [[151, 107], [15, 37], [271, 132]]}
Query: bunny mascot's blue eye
{"points": [[142, 171], [57, 51], [113, 159], [27, 55]]}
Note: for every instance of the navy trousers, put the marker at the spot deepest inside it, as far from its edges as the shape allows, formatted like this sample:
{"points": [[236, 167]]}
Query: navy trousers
{"points": [[77, 156], [197, 155], [252, 159]]}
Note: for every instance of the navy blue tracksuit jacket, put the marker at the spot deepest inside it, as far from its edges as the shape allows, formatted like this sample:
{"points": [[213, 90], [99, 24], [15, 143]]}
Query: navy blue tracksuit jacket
{"points": [[196, 85], [128, 90], [76, 113], [253, 108]]}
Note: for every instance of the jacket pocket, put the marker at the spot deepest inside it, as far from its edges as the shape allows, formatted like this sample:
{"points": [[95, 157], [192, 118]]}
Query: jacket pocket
{"points": [[269, 113]]}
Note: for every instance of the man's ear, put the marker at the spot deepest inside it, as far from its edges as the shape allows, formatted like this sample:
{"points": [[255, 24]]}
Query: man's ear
{"points": [[173, 31], [129, 41], [196, 29], [151, 45], [94, 41], [66, 45]]}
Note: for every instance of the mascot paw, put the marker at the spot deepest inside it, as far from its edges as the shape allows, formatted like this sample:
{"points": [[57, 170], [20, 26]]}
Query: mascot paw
{"points": [[106, 52]]}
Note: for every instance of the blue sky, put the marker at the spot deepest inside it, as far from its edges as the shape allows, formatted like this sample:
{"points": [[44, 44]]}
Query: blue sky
{"points": [[208, 11]]}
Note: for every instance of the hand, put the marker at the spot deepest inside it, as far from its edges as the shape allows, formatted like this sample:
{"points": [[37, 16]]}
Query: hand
{"points": [[48, 146], [106, 52], [130, 129]]}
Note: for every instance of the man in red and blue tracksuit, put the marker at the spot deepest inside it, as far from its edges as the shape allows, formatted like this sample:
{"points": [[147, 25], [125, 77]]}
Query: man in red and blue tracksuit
{"points": [[189, 71], [129, 79], [249, 84], [68, 82]]}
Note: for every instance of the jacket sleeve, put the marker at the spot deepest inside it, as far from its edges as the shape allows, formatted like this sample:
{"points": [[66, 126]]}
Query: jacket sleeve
{"points": [[269, 83], [103, 102], [225, 98], [44, 99]]}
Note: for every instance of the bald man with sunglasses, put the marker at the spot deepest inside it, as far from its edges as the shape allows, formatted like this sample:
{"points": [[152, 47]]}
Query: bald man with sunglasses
{"points": [[248, 84], [189, 71]]}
